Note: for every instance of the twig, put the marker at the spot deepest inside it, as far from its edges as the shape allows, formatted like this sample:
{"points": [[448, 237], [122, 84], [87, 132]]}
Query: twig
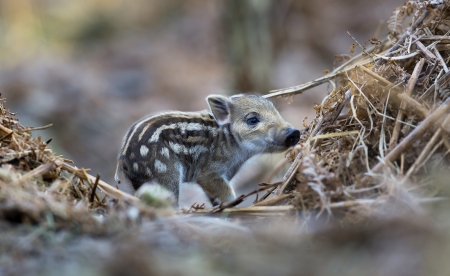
{"points": [[11, 156], [425, 51], [411, 85], [330, 117], [423, 154], [289, 175], [302, 87], [238, 200], [362, 48], [273, 200], [277, 210], [6, 136], [277, 167], [441, 38], [441, 60], [252, 210], [91, 199], [347, 66], [423, 112], [375, 76], [336, 134], [39, 128], [42, 169], [5, 130]]}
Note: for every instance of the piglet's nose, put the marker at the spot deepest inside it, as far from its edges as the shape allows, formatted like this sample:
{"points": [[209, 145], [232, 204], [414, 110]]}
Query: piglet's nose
{"points": [[292, 137]]}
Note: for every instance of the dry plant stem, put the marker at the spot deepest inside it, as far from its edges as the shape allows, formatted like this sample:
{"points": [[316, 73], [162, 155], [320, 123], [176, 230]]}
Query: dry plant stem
{"points": [[289, 175], [303, 87], [441, 60], [421, 159], [5, 130], [337, 112], [278, 166], [89, 182], [251, 210], [425, 51], [413, 136], [6, 136], [42, 169], [441, 82], [441, 38], [375, 76], [411, 85], [443, 47], [329, 119], [280, 210], [105, 187], [422, 111], [273, 200], [238, 200], [93, 195], [39, 128], [267, 194], [11, 156], [402, 163], [404, 36]]}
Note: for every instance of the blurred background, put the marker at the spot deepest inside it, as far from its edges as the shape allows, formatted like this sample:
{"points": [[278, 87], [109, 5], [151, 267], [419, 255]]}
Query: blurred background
{"points": [[93, 67]]}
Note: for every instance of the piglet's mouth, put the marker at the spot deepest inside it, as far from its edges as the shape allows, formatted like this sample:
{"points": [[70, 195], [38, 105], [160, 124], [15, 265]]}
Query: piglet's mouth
{"points": [[292, 137]]}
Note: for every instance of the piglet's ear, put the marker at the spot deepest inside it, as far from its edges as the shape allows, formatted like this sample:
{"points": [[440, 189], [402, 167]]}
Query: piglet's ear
{"points": [[220, 108]]}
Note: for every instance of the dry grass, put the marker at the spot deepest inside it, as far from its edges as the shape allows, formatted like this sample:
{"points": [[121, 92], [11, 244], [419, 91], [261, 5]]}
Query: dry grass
{"points": [[39, 188]]}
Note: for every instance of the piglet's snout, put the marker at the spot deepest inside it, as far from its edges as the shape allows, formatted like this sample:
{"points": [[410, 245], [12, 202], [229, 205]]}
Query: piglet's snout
{"points": [[292, 137]]}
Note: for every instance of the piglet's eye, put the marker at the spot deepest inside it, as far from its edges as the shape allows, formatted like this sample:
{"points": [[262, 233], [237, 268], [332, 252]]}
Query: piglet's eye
{"points": [[252, 121]]}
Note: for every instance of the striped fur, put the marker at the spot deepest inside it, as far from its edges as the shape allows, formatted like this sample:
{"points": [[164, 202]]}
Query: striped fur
{"points": [[204, 147]]}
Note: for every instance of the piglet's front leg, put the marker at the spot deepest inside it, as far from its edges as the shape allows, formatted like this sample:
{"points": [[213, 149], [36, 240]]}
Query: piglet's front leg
{"points": [[216, 188]]}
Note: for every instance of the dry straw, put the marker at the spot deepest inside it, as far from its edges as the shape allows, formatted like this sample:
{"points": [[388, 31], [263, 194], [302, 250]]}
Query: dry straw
{"points": [[39, 187]]}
